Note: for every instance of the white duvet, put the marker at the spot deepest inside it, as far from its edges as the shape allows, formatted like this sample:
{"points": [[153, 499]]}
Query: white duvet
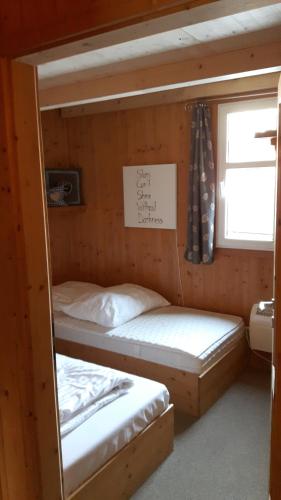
{"points": [[84, 388]]}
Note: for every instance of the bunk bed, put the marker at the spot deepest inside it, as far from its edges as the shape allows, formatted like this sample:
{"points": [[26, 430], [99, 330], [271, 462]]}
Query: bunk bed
{"points": [[117, 446], [196, 354]]}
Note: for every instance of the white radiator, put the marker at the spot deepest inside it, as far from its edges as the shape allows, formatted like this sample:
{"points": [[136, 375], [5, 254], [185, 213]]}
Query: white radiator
{"points": [[260, 331]]}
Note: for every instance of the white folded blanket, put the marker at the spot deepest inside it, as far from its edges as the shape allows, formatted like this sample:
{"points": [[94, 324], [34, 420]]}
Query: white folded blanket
{"points": [[84, 388]]}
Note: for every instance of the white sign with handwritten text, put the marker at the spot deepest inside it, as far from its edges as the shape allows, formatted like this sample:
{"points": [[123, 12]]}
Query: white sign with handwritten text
{"points": [[150, 193]]}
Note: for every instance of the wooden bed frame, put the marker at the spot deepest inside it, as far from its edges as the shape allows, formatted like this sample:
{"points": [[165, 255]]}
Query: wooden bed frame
{"points": [[190, 392], [120, 477]]}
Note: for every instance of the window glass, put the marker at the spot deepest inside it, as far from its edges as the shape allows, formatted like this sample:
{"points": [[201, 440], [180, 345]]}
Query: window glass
{"points": [[246, 175], [250, 203], [241, 128]]}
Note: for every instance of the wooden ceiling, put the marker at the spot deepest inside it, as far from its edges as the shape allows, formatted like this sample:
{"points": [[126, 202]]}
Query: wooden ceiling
{"points": [[179, 45], [196, 40], [29, 27]]}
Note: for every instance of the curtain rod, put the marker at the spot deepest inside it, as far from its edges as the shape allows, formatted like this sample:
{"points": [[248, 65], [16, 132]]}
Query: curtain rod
{"points": [[205, 100]]}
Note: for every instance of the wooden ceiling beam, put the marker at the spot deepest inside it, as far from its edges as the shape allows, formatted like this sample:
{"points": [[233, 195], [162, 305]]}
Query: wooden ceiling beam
{"points": [[254, 85], [49, 24], [229, 65], [59, 23]]}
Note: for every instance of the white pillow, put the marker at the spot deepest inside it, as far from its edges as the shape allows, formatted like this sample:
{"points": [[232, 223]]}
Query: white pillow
{"points": [[114, 305], [68, 292]]}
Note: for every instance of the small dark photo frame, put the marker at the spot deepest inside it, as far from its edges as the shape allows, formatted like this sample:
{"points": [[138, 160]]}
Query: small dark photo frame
{"points": [[63, 187]]}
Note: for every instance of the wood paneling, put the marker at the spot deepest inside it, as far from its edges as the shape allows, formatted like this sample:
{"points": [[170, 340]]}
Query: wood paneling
{"points": [[253, 84], [191, 393], [120, 477], [29, 463], [185, 13], [167, 76], [24, 31], [275, 454], [220, 376], [95, 246]]}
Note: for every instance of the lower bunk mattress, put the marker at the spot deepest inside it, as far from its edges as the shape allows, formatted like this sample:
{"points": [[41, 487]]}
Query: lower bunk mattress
{"points": [[88, 447], [179, 337]]}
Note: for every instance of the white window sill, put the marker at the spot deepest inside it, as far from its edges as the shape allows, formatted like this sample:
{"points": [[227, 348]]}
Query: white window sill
{"points": [[247, 245]]}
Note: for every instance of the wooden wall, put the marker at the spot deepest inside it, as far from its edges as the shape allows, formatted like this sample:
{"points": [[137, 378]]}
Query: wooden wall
{"points": [[29, 446], [92, 244]]}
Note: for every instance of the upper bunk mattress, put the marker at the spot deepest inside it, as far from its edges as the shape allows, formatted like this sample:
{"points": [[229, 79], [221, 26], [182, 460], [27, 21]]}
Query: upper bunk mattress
{"points": [[87, 448], [179, 337]]}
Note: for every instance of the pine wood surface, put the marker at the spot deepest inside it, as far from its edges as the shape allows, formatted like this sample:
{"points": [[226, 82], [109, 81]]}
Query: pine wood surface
{"points": [[219, 90], [275, 456], [171, 75], [29, 455], [191, 393], [128, 469], [95, 246], [51, 24]]}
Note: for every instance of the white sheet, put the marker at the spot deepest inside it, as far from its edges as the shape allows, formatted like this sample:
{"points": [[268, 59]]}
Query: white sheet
{"points": [[179, 337], [88, 447], [84, 388]]}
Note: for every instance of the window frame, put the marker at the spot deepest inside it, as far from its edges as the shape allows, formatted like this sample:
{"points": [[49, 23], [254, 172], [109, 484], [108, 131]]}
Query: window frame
{"points": [[223, 166]]}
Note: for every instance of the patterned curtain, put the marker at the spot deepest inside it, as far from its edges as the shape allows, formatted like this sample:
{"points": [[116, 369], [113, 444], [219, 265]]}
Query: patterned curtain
{"points": [[201, 207]]}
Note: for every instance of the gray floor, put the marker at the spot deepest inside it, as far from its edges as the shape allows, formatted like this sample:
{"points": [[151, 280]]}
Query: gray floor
{"points": [[224, 454]]}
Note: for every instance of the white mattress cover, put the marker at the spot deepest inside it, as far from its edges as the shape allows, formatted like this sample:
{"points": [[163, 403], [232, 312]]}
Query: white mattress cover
{"points": [[88, 447], [180, 337]]}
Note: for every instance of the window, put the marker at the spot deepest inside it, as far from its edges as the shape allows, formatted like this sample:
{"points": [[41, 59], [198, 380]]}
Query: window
{"points": [[246, 175]]}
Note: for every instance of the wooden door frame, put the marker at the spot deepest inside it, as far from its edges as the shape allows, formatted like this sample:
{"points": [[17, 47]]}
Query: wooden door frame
{"points": [[275, 453], [32, 289], [29, 435]]}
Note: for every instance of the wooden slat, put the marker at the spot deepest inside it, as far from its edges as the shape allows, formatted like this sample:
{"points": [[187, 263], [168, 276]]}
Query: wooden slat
{"points": [[216, 380], [25, 31], [29, 464], [80, 69], [33, 216], [183, 386], [190, 393], [119, 478], [275, 454], [253, 84], [166, 76], [267, 133], [85, 246]]}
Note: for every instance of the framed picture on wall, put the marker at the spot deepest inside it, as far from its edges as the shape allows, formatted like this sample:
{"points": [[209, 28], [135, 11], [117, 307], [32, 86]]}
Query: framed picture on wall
{"points": [[63, 187]]}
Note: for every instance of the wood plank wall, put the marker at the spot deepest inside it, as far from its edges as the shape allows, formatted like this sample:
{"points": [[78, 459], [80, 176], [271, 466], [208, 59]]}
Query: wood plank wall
{"points": [[29, 455], [92, 244]]}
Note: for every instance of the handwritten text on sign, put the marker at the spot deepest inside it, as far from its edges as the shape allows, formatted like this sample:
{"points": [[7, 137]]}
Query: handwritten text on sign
{"points": [[150, 196]]}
